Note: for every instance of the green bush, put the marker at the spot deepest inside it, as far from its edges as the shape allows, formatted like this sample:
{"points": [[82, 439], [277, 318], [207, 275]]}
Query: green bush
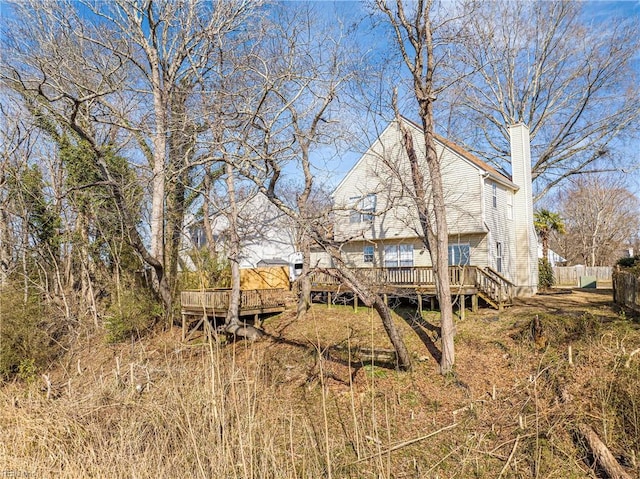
{"points": [[30, 334], [629, 262], [133, 311], [546, 279]]}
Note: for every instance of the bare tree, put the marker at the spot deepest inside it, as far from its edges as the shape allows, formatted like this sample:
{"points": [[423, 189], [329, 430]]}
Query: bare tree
{"points": [[289, 116], [413, 28], [601, 217], [572, 82], [97, 71], [169, 43]]}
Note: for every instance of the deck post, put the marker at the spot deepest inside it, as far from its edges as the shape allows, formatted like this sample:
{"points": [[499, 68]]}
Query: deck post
{"points": [[433, 303], [386, 301], [474, 303], [207, 327], [184, 327], [355, 303], [461, 301], [328, 299], [420, 304]]}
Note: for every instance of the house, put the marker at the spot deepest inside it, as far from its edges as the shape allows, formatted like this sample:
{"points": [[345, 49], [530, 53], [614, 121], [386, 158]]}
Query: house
{"points": [[489, 214], [267, 235], [554, 258]]}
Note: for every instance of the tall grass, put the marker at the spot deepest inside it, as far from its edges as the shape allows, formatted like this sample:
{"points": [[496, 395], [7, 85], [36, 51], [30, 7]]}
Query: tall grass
{"points": [[206, 418], [161, 409]]}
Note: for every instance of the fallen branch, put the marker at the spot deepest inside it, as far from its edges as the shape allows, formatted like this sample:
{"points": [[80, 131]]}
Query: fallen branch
{"points": [[513, 451], [406, 443], [602, 454], [627, 364]]}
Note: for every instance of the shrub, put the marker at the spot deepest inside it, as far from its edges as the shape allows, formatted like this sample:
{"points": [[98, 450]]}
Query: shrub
{"points": [[629, 262], [31, 334], [133, 311], [545, 274]]}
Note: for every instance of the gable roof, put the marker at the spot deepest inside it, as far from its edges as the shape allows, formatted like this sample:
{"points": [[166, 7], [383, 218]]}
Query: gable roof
{"points": [[466, 155], [490, 170]]}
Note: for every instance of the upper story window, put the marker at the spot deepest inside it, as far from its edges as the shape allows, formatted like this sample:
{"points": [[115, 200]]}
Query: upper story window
{"points": [[364, 210], [367, 254], [509, 205], [494, 190], [459, 254]]}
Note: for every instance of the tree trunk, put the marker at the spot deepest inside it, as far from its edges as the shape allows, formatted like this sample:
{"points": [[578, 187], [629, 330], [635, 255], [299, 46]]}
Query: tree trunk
{"points": [[232, 322], [304, 301], [440, 252], [434, 233], [371, 299], [175, 219], [544, 238], [206, 216], [5, 247], [159, 159]]}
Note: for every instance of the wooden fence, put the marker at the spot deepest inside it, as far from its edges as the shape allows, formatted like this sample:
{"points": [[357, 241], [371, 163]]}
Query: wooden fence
{"points": [[570, 275], [626, 289]]}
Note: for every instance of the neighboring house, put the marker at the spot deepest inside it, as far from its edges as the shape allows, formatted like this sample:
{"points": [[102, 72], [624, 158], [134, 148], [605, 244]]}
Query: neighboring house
{"points": [[554, 258], [489, 215], [267, 235]]}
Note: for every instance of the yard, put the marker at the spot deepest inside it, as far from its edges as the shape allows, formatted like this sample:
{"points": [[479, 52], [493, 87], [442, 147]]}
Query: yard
{"points": [[311, 401]]}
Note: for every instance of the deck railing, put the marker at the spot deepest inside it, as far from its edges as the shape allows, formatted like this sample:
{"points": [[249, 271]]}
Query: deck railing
{"points": [[409, 276], [218, 299], [495, 286]]}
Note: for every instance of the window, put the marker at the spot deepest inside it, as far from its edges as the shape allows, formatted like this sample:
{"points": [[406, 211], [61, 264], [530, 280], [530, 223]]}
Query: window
{"points": [[509, 206], [398, 255], [459, 254], [499, 257], [364, 209], [367, 254], [495, 195]]}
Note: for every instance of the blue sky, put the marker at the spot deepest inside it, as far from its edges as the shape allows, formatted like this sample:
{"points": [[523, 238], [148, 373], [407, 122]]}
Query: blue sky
{"points": [[599, 12]]}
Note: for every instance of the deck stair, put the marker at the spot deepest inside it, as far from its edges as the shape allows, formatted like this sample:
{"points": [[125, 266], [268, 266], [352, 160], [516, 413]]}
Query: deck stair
{"points": [[493, 288]]}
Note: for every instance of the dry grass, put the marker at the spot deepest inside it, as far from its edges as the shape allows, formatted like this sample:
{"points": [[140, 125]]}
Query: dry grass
{"points": [[297, 405]]}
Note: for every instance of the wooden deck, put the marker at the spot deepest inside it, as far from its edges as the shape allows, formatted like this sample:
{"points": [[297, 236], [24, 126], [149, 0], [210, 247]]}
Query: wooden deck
{"points": [[200, 305], [215, 302], [419, 281]]}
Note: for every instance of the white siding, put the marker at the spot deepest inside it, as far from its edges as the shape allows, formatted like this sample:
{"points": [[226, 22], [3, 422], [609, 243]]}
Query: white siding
{"points": [[320, 259], [384, 170], [525, 237], [501, 228], [484, 208], [354, 257]]}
